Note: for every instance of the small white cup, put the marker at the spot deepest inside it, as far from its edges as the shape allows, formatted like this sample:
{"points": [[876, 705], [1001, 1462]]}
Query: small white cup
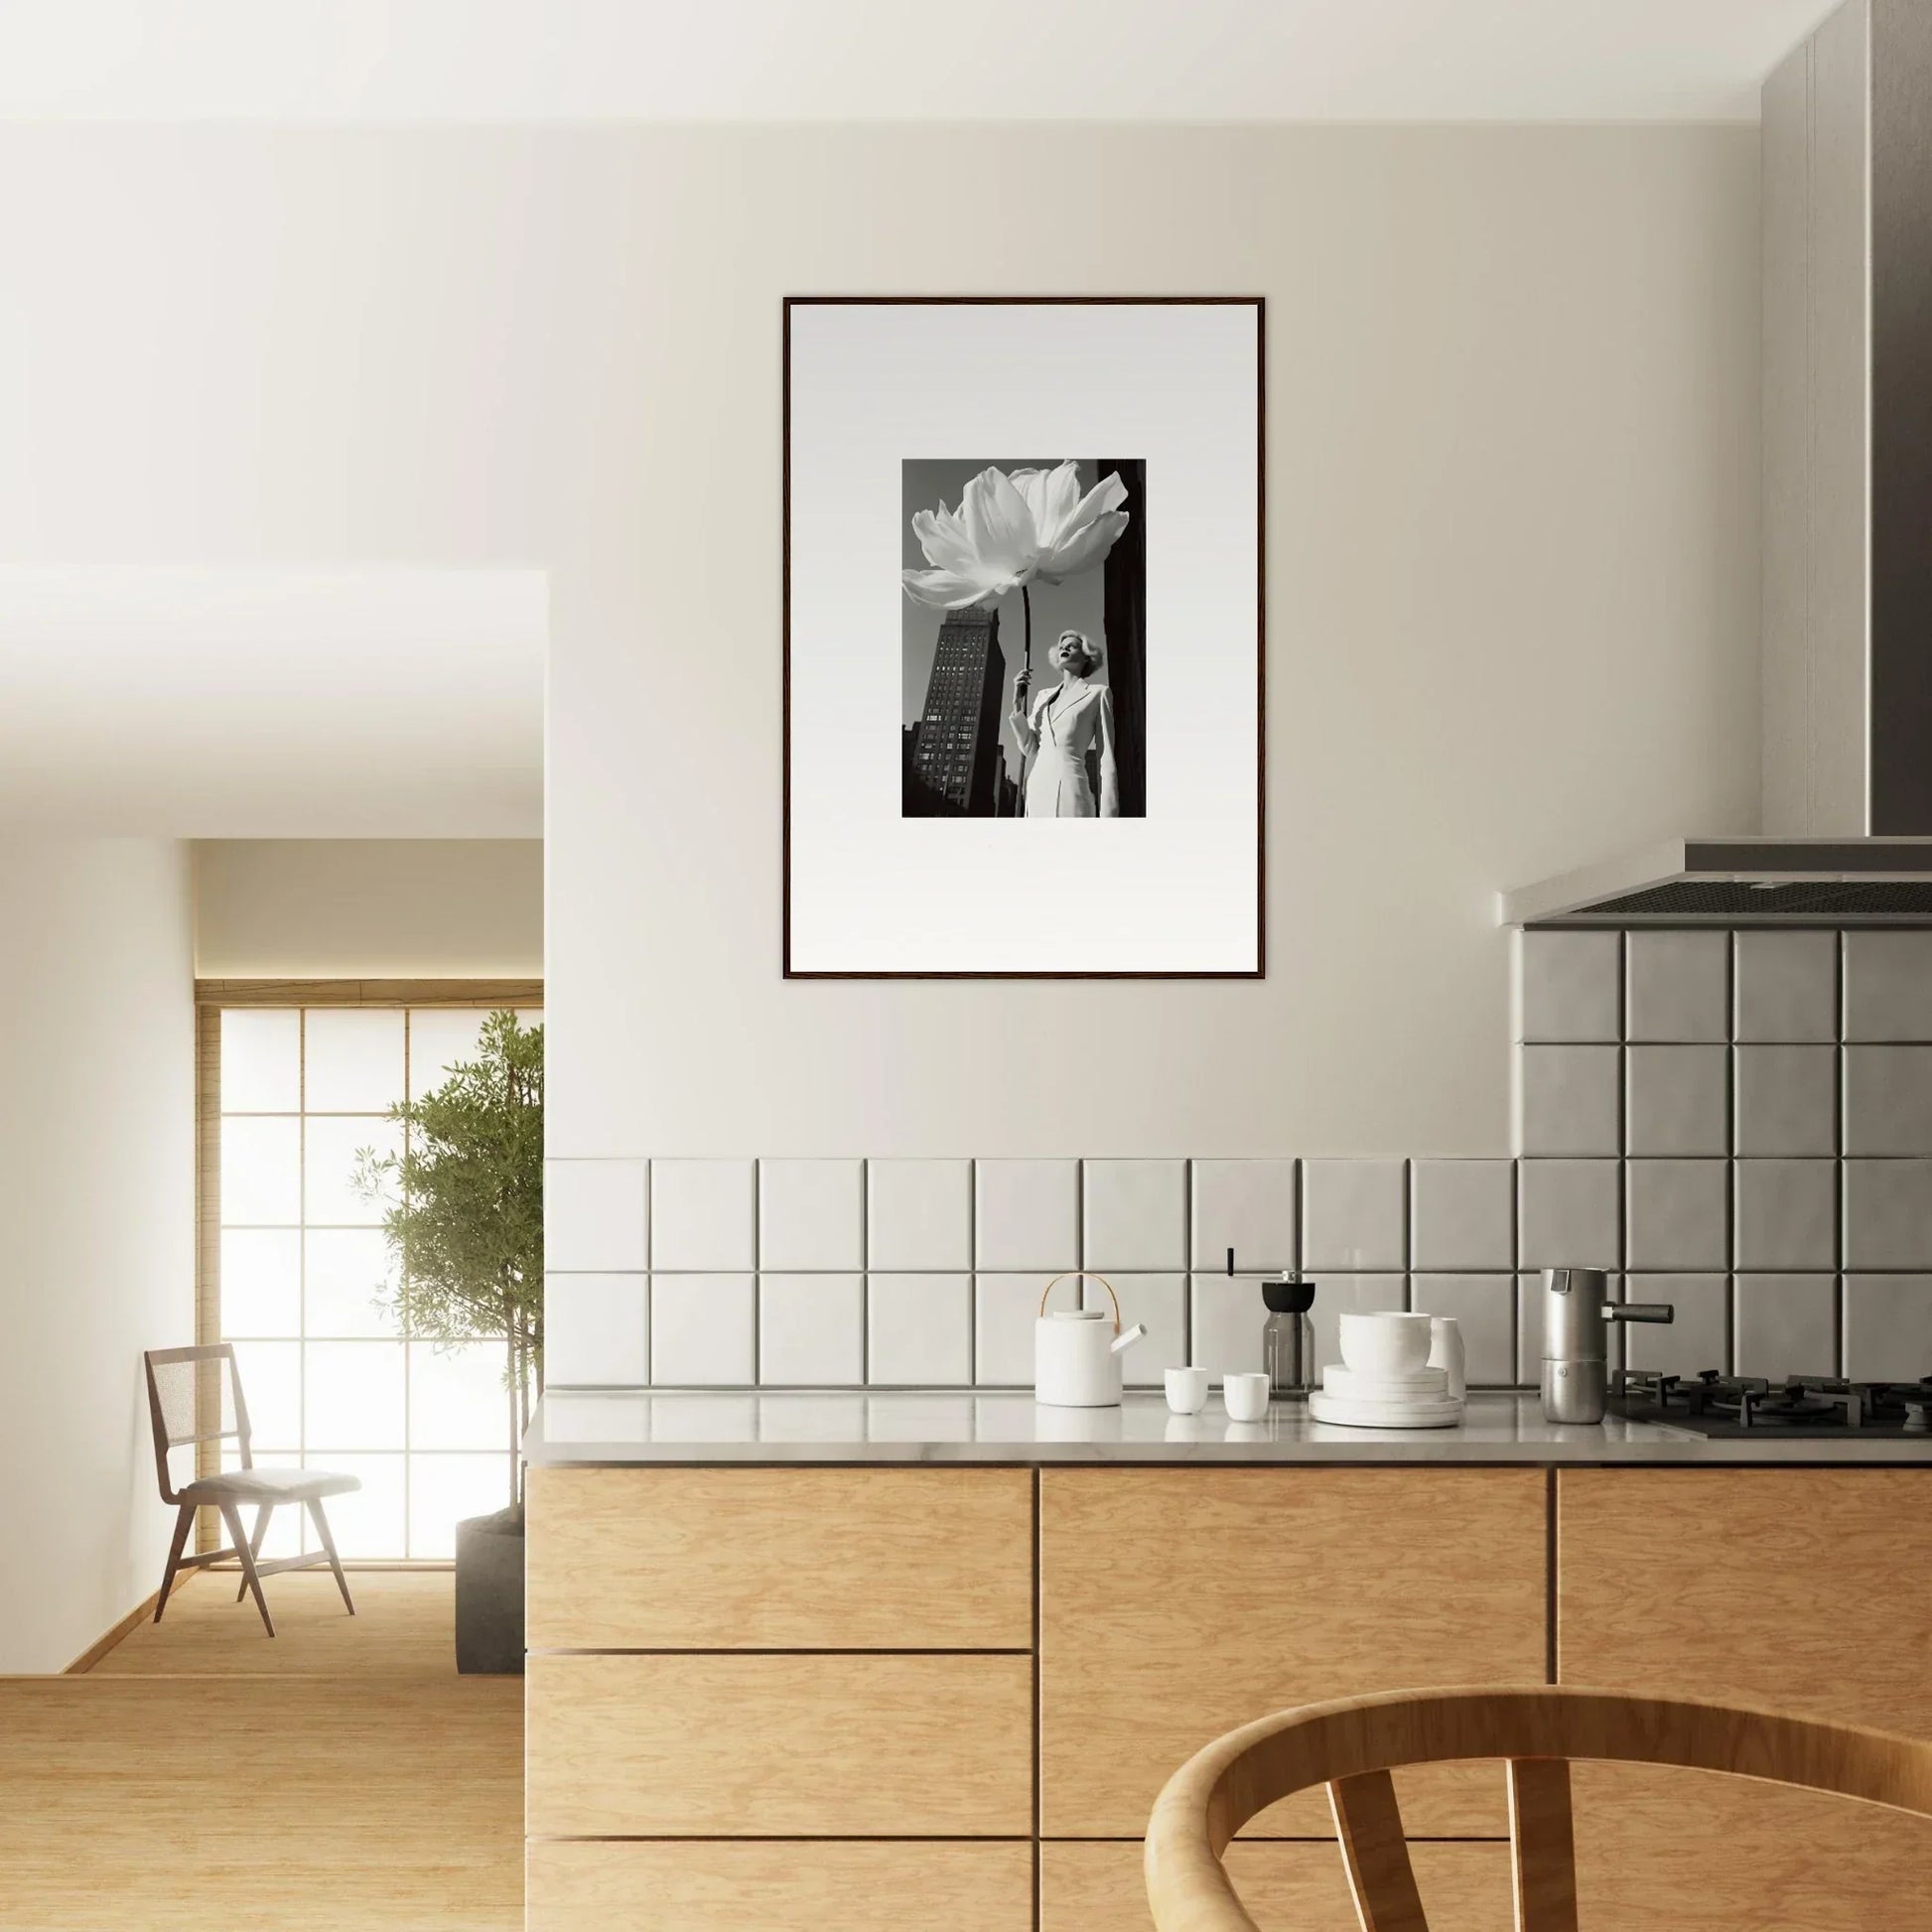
{"points": [[1245, 1394], [1186, 1390]]}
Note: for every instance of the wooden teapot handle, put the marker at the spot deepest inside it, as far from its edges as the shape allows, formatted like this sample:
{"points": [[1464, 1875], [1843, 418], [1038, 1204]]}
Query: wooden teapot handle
{"points": [[1083, 1274]]}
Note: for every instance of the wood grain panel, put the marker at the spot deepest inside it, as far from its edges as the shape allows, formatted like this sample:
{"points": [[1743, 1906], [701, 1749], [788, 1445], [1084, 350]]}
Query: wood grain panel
{"points": [[1806, 1590], [792, 1885], [1296, 1887], [777, 1747], [1175, 1605], [369, 993], [781, 1559]]}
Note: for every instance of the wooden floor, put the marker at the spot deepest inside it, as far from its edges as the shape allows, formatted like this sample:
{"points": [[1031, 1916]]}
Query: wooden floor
{"points": [[338, 1778]]}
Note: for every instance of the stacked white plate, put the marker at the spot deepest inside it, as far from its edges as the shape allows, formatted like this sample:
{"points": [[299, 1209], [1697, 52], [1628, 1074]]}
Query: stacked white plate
{"points": [[1368, 1390]]}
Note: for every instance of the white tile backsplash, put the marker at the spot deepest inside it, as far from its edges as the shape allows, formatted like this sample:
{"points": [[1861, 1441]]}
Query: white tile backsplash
{"points": [[595, 1329], [1463, 1214], [704, 1216], [920, 1330], [1567, 1100], [1484, 1308], [811, 1215], [1246, 1205], [1160, 1301], [1888, 986], [1785, 986], [811, 1329], [1354, 1216], [1889, 1100], [1026, 1214], [595, 1216], [1786, 1324], [1676, 985], [1568, 986], [920, 1214], [703, 1330], [1887, 1327], [1568, 1215], [1226, 1324], [1004, 1309], [1134, 1214]]}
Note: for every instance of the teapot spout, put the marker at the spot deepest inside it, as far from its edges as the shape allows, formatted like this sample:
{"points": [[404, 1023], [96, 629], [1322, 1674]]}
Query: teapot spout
{"points": [[1138, 1332]]}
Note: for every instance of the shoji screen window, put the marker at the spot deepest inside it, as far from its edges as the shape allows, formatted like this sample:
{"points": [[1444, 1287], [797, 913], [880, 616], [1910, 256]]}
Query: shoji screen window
{"points": [[307, 1289]]}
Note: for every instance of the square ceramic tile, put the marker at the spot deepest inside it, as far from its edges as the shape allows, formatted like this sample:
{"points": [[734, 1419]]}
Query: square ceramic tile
{"points": [[1787, 1215], [1676, 986], [702, 1215], [1484, 1307], [1246, 1205], [1888, 1214], [1463, 1214], [1226, 1320], [596, 1330], [1698, 1336], [1786, 1100], [1340, 1292], [1567, 1100], [1529, 1330], [812, 1330], [1786, 986], [1161, 1303], [1677, 1100], [1786, 1324], [920, 1330], [1568, 986], [1676, 1216], [1135, 1214], [1568, 1215], [1887, 1327], [1889, 1100], [920, 1214], [594, 1215], [1026, 1214], [703, 1330], [1354, 1214], [1004, 1309], [811, 1215], [1888, 986]]}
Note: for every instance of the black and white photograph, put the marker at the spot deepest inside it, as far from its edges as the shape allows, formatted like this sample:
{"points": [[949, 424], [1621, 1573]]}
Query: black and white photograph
{"points": [[1022, 580], [1025, 670]]}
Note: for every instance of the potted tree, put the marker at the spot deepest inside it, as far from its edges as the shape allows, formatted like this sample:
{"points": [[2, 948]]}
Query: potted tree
{"points": [[463, 1212]]}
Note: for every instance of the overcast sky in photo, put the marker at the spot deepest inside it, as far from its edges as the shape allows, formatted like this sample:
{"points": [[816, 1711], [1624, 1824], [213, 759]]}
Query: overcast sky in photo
{"points": [[1075, 605]]}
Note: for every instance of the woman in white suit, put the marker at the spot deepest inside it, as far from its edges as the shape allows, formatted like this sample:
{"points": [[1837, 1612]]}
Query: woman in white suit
{"points": [[1067, 720]]}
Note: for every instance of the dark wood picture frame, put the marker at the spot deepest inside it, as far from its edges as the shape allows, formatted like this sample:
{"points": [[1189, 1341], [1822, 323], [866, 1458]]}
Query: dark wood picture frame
{"points": [[1260, 306]]}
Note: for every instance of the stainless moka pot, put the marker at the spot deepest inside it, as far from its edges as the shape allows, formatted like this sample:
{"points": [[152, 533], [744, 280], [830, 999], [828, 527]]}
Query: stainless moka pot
{"points": [[1577, 1316]]}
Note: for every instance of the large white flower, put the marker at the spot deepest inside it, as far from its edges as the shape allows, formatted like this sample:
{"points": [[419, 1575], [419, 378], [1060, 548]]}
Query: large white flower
{"points": [[1034, 526]]}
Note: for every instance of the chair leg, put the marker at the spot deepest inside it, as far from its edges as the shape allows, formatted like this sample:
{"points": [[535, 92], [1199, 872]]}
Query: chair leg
{"points": [[262, 1513], [184, 1522], [232, 1515], [329, 1544]]}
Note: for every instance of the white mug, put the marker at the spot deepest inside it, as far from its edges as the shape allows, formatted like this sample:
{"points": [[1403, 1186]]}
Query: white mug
{"points": [[1245, 1396], [1186, 1390], [1445, 1351]]}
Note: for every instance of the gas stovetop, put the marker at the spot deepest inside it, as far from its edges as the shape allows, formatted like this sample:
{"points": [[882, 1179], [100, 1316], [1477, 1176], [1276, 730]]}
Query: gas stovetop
{"points": [[1801, 1406]]}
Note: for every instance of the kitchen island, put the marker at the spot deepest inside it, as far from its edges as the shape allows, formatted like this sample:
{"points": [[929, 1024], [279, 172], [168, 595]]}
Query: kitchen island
{"points": [[803, 1660]]}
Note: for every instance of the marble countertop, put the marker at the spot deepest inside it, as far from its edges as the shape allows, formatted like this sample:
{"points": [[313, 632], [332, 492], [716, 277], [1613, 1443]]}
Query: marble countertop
{"points": [[967, 1426]]}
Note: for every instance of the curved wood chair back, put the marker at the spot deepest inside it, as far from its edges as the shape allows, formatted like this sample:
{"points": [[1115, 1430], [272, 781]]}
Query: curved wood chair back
{"points": [[1352, 1745]]}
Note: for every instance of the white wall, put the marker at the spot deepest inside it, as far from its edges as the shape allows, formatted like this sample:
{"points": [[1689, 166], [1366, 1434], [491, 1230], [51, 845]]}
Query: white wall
{"points": [[97, 1201], [376, 908], [1512, 549]]}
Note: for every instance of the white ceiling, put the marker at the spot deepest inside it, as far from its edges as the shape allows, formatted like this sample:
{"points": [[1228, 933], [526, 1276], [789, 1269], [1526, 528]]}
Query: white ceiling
{"points": [[188, 703], [893, 59]]}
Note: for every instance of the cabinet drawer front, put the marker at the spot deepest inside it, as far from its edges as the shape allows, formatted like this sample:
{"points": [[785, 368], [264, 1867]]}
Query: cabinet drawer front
{"points": [[781, 1559], [801, 1886], [1177, 1604], [1098, 1887], [844, 1747]]}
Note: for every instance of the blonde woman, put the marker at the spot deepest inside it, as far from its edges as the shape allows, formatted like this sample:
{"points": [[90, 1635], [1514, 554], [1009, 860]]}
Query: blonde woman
{"points": [[1066, 722]]}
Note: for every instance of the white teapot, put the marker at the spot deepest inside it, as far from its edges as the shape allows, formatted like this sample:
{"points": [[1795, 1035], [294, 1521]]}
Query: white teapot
{"points": [[1077, 1351]]}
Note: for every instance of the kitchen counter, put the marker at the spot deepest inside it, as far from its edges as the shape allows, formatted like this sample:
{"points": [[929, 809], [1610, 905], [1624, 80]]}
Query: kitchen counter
{"points": [[592, 1427]]}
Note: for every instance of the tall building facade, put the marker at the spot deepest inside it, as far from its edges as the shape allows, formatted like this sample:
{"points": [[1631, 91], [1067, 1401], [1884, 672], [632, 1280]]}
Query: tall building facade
{"points": [[955, 766]]}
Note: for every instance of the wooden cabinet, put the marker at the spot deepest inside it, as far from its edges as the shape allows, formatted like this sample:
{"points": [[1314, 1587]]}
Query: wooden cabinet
{"points": [[1806, 1590], [724, 1559], [783, 1887], [1094, 1887], [1178, 1604], [844, 1747]]}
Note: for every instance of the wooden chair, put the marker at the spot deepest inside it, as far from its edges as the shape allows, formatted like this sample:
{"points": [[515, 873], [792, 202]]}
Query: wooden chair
{"points": [[195, 1396], [1352, 1744]]}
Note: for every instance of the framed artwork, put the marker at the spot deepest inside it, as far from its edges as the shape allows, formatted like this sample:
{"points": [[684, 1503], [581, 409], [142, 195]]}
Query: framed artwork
{"points": [[1024, 652]]}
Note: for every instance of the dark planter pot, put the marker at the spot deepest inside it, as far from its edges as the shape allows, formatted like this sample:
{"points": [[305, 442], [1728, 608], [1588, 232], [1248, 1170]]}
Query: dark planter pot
{"points": [[489, 1595]]}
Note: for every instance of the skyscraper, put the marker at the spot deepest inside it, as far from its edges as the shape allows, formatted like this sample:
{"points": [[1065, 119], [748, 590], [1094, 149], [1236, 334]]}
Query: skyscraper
{"points": [[955, 758]]}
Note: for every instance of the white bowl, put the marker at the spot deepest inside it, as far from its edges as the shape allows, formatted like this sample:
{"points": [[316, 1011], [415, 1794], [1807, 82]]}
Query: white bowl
{"points": [[1379, 1344]]}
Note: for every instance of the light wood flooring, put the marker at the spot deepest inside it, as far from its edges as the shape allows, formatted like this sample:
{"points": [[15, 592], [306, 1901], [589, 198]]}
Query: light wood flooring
{"points": [[340, 1777]]}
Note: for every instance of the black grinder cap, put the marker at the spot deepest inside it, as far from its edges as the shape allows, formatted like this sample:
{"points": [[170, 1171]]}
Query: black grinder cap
{"points": [[1289, 1295]]}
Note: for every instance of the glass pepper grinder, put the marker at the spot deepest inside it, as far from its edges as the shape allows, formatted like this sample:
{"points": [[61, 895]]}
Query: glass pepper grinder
{"points": [[1288, 1336]]}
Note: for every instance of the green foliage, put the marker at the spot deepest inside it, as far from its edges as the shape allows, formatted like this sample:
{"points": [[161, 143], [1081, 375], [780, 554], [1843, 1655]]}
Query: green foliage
{"points": [[463, 1205]]}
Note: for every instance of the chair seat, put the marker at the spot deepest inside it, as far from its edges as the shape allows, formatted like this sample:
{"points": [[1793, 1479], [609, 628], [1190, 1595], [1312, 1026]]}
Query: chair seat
{"points": [[269, 1486]]}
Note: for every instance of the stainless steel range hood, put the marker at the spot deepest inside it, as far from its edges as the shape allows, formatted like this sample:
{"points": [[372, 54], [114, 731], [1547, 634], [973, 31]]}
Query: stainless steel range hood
{"points": [[1847, 514]]}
